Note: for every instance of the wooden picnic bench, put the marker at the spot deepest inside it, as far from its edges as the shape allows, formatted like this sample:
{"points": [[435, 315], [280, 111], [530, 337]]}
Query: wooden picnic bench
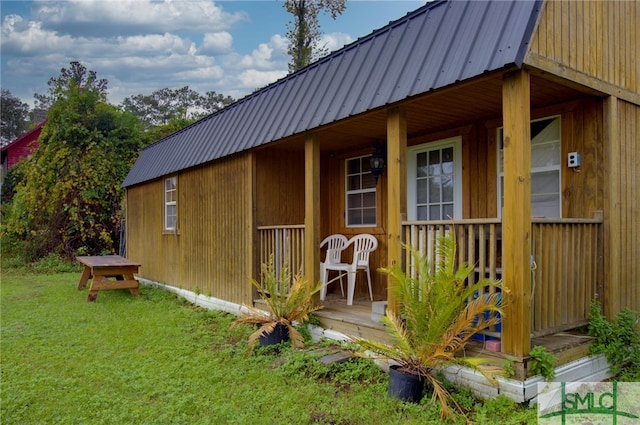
{"points": [[100, 268]]}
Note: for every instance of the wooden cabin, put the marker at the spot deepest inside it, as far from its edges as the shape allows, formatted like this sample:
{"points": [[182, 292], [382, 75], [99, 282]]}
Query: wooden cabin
{"points": [[514, 123]]}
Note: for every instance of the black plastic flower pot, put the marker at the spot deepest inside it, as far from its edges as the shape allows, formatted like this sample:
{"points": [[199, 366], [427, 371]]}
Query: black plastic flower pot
{"points": [[279, 334], [405, 386]]}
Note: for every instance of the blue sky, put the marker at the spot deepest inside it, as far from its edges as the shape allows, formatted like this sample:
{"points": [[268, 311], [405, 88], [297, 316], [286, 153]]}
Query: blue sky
{"points": [[231, 47]]}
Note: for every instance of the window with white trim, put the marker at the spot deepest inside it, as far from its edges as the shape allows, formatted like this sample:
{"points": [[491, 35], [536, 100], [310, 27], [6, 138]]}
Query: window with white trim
{"points": [[434, 180], [360, 193], [170, 203], [546, 179]]}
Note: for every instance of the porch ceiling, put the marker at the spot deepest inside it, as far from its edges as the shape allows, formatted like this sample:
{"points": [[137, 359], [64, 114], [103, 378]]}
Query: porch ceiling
{"points": [[444, 109]]}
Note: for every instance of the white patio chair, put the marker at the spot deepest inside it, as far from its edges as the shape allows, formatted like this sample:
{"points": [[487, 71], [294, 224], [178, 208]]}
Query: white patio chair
{"points": [[363, 245], [335, 245]]}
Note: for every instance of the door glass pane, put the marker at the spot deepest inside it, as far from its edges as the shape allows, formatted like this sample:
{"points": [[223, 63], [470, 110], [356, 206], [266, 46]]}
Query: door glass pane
{"points": [[434, 189], [447, 210], [434, 212], [434, 162], [421, 164], [423, 213], [422, 189], [447, 160], [447, 189]]}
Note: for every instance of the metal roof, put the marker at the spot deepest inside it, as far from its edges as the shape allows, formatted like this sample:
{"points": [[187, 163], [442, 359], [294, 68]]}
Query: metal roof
{"points": [[439, 44]]}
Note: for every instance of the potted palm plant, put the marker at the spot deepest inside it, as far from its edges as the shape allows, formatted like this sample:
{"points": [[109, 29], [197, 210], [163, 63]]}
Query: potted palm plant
{"points": [[438, 313], [288, 299]]}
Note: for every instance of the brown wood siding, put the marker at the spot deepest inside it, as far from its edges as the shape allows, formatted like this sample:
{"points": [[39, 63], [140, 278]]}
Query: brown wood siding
{"points": [[599, 39], [628, 211], [279, 187], [212, 251]]}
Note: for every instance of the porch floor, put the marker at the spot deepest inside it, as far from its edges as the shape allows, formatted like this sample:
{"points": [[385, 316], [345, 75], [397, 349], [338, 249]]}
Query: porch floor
{"points": [[355, 321], [351, 320]]}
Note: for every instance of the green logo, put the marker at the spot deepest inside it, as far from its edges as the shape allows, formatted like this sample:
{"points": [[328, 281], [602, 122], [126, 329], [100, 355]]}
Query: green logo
{"points": [[589, 402]]}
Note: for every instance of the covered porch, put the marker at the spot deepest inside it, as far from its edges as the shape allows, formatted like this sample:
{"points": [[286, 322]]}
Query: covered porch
{"points": [[553, 266], [565, 269]]}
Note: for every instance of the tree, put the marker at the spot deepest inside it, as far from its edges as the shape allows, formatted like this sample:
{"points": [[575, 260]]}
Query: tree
{"points": [[167, 107], [69, 201], [14, 117], [76, 77], [212, 102], [304, 32]]}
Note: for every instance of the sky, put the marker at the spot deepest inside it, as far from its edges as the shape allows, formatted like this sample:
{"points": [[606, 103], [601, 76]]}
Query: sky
{"points": [[139, 46]]}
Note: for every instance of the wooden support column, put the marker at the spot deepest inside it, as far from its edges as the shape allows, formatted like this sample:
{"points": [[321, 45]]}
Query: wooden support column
{"points": [[396, 190], [312, 209], [610, 300], [516, 214]]}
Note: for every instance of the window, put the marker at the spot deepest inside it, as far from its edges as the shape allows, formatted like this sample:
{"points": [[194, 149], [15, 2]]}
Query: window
{"points": [[170, 203], [360, 193], [434, 186], [545, 168]]}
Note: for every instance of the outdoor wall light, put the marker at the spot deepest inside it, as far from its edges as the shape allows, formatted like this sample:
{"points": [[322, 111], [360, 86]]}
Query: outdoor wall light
{"points": [[377, 160]]}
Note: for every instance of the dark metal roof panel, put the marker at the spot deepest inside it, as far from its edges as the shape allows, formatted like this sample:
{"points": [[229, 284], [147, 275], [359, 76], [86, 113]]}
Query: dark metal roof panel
{"points": [[437, 45]]}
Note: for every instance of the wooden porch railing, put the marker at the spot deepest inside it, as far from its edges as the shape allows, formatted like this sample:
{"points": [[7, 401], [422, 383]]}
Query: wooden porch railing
{"points": [[568, 263], [566, 268], [285, 243], [566, 254]]}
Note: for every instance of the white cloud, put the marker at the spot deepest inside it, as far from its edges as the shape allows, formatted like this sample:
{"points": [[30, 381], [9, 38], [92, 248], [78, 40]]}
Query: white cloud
{"points": [[216, 43], [28, 37], [266, 56], [335, 41], [150, 44], [257, 79], [126, 16]]}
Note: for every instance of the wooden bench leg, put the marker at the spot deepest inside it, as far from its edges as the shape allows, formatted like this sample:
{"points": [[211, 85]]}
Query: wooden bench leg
{"points": [[95, 287], [86, 275], [134, 291]]}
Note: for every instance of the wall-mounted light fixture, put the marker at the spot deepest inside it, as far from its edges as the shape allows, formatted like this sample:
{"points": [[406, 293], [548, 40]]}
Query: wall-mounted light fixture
{"points": [[377, 160]]}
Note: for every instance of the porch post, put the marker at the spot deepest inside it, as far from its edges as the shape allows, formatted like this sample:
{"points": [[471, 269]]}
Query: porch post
{"points": [[516, 214], [312, 208], [611, 299], [396, 190]]}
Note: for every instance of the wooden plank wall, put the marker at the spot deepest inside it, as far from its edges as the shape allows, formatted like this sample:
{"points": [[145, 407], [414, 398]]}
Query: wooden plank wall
{"points": [[212, 252], [596, 38], [279, 187], [146, 243], [628, 211]]}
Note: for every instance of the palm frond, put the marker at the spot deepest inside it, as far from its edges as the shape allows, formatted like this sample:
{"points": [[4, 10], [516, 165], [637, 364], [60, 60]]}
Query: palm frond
{"points": [[439, 311], [288, 299]]}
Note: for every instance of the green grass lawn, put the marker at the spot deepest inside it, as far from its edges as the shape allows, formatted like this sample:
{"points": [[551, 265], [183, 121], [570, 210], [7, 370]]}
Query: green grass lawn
{"points": [[155, 359]]}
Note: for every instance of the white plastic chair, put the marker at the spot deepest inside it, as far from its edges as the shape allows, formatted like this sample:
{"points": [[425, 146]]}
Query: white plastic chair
{"points": [[363, 245], [335, 245]]}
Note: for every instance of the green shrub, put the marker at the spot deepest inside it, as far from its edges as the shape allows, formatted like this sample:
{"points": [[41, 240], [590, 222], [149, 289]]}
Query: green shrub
{"points": [[618, 340], [543, 362]]}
